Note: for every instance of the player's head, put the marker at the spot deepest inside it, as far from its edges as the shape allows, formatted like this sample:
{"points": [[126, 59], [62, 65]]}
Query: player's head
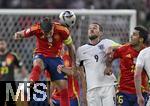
{"points": [[140, 35], [3, 45], [46, 25], [95, 30], [67, 18]]}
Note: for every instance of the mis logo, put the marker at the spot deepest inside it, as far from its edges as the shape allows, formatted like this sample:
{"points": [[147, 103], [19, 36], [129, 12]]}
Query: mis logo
{"points": [[38, 92]]}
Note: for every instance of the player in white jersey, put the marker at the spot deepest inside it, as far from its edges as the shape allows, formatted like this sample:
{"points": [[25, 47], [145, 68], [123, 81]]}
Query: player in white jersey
{"points": [[100, 87], [143, 62]]}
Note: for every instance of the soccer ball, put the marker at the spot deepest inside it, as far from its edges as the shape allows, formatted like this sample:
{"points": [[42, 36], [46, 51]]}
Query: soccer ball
{"points": [[67, 18]]}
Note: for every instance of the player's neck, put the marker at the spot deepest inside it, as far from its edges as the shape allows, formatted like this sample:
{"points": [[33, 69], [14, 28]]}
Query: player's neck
{"points": [[138, 47], [95, 41]]}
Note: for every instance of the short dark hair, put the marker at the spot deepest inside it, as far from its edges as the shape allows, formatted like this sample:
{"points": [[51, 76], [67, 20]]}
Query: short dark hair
{"points": [[143, 32], [100, 26], [46, 24]]}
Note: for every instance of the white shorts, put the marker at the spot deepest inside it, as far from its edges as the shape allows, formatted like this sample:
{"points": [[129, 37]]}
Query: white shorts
{"points": [[102, 96], [148, 102]]}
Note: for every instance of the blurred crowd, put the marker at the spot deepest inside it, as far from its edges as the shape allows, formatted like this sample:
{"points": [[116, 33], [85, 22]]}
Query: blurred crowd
{"points": [[142, 6]]}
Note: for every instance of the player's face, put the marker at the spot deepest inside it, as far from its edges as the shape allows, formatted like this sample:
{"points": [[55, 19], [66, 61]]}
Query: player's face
{"points": [[2, 46], [135, 38], [93, 30], [50, 33]]}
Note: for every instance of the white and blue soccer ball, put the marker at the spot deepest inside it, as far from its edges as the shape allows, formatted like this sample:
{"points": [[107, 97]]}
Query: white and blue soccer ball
{"points": [[67, 18]]}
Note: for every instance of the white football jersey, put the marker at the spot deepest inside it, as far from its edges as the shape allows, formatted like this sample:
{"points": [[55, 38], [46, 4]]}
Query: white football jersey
{"points": [[143, 60], [93, 59]]}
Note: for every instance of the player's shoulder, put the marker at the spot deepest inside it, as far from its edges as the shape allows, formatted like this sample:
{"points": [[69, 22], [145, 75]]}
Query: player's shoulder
{"points": [[145, 51], [59, 27], [83, 47], [106, 41], [125, 46]]}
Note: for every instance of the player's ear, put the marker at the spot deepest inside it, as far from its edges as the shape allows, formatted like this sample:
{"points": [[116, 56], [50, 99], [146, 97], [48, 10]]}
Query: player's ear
{"points": [[101, 33], [141, 39]]}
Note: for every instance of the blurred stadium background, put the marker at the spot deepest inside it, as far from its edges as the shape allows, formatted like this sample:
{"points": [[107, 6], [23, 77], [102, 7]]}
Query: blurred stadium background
{"points": [[142, 6]]}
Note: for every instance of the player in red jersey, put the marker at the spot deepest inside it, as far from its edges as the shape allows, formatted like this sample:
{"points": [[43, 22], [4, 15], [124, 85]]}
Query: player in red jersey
{"points": [[127, 55], [73, 86], [49, 39]]}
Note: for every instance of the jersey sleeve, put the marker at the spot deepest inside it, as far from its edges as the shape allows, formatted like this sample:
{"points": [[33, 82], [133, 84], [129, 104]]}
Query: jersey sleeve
{"points": [[110, 43], [65, 33], [117, 53], [81, 56], [78, 57], [31, 31], [68, 41], [140, 60], [66, 36]]}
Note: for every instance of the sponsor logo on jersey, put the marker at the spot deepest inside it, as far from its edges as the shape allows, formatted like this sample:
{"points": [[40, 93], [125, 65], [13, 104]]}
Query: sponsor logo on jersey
{"points": [[84, 52], [101, 47]]}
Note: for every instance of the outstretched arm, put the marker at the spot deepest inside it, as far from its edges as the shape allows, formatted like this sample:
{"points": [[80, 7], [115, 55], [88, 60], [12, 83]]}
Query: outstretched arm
{"points": [[19, 35], [27, 32]]}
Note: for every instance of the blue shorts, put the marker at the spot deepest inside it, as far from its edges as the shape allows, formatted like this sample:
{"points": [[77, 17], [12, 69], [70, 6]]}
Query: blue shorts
{"points": [[125, 99], [73, 102], [50, 64]]}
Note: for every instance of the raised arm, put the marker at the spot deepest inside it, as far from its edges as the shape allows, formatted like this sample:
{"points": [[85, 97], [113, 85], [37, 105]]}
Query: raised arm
{"points": [[27, 32]]}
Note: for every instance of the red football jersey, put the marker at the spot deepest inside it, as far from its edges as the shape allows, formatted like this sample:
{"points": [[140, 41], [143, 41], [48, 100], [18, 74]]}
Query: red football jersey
{"points": [[128, 55], [73, 86], [48, 46]]}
